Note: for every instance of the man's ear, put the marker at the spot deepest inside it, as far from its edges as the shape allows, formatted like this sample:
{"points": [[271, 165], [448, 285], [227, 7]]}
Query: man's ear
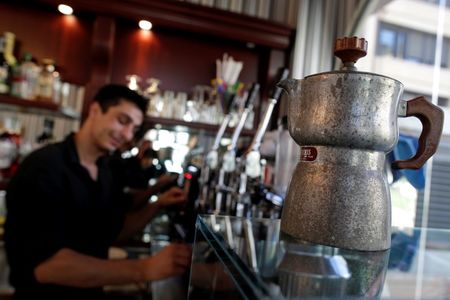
{"points": [[94, 109]]}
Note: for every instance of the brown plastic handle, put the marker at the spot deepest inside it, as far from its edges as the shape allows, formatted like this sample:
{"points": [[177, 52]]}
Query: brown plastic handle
{"points": [[432, 119]]}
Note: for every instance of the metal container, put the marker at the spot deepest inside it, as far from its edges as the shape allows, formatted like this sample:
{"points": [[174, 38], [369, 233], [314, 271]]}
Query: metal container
{"points": [[345, 122]]}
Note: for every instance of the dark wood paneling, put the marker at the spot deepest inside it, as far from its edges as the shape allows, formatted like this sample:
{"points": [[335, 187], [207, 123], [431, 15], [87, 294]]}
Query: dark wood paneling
{"points": [[103, 39], [193, 18], [46, 34], [179, 59]]}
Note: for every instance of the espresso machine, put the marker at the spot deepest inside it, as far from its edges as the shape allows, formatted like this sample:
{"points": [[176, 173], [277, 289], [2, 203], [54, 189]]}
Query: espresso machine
{"points": [[345, 123]]}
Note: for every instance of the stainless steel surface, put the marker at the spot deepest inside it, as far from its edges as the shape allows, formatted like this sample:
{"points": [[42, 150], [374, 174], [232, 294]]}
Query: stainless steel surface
{"points": [[345, 109], [341, 199], [306, 271], [318, 272], [345, 123]]}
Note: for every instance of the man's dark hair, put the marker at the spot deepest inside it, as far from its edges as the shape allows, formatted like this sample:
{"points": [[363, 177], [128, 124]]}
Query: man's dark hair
{"points": [[111, 94]]}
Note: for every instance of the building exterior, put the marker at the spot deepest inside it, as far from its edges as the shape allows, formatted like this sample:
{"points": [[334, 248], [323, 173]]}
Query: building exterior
{"points": [[406, 39]]}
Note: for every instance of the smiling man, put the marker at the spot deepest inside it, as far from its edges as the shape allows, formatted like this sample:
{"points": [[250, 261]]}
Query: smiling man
{"points": [[66, 206]]}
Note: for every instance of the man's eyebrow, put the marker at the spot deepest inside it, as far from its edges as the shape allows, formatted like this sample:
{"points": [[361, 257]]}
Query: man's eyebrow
{"points": [[129, 119], [122, 114]]}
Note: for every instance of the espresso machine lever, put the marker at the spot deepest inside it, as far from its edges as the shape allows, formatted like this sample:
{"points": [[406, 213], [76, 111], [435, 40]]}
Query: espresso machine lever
{"points": [[228, 166]]}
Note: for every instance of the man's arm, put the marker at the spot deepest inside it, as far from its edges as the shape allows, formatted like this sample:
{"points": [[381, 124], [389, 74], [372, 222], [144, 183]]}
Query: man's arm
{"points": [[140, 196], [137, 219], [71, 268]]}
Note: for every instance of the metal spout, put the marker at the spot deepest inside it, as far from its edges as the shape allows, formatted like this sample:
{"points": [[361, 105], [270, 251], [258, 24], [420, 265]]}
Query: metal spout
{"points": [[289, 86], [292, 88]]}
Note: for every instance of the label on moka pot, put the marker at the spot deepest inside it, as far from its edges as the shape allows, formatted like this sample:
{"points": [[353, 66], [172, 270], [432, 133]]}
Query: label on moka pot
{"points": [[308, 154]]}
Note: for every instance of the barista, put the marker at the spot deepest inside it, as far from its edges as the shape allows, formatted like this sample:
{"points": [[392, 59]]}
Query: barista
{"points": [[66, 206]]}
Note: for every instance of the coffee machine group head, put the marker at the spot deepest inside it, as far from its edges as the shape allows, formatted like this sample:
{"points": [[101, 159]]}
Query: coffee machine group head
{"points": [[345, 123]]}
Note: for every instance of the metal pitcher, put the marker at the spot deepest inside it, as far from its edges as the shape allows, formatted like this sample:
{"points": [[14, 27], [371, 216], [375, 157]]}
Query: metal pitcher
{"points": [[345, 122]]}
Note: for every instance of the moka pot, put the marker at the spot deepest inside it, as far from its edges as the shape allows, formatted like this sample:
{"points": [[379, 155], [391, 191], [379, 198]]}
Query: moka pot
{"points": [[345, 123]]}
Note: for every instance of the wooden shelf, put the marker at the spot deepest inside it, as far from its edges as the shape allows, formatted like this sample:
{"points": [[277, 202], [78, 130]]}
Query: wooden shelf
{"points": [[190, 126], [39, 107]]}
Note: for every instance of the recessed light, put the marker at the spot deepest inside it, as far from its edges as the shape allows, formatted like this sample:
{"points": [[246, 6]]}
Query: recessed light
{"points": [[65, 9], [145, 25]]}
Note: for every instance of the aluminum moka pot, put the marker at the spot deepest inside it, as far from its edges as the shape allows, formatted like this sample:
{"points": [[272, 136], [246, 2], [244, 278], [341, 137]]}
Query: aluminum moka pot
{"points": [[345, 123]]}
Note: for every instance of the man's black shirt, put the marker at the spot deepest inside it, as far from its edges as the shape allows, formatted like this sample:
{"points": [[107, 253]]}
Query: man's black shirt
{"points": [[53, 203]]}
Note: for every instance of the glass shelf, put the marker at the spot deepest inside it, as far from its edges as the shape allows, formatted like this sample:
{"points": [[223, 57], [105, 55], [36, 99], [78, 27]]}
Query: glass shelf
{"points": [[238, 258]]}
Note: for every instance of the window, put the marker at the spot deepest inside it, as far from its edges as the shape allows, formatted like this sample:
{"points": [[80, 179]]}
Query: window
{"points": [[436, 2], [444, 102], [413, 49], [445, 63], [387, 42], [428, 48], [411, 45]]}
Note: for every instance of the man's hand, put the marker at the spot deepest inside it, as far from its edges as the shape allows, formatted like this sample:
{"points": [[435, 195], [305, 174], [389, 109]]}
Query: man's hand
{"points": [[172, 260], [174, 195], [166, 179]]}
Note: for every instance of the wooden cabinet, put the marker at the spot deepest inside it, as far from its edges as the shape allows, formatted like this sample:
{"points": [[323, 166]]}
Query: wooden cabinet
{"points": [[102, 43]]}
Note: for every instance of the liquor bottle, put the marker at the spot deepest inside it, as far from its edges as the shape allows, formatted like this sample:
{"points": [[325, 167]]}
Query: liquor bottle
{"points": [[9, 49], [29, 73], [46, 80], [13, 73], [4, 69]]}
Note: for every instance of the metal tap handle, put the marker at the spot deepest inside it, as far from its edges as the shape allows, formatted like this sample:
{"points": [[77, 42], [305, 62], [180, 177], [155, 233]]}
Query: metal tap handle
{"points": [[252, 93], [221, 132], [225, 122], [432, 119], [248, 107], [276, 95]]}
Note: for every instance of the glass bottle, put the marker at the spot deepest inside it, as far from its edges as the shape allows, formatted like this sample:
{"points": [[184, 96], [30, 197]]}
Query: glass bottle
{"points": [[9, 49], [13, 76], [29, 71], [133, 82], [153, 93], [45, 80], [4, 69]]}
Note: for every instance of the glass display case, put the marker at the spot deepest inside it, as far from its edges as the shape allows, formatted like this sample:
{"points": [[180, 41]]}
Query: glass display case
{"points": [[238, 258]]}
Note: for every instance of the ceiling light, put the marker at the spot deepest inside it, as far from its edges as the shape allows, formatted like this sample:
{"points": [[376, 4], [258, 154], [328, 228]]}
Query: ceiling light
{"points": [[145, 25], [65, 9]]}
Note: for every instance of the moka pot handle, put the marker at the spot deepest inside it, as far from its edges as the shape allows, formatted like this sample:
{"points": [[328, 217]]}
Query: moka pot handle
{"points": [[432, 119]]}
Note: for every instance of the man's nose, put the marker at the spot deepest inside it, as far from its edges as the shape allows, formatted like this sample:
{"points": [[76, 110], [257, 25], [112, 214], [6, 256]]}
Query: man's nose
{"points": [[128, 132]]}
